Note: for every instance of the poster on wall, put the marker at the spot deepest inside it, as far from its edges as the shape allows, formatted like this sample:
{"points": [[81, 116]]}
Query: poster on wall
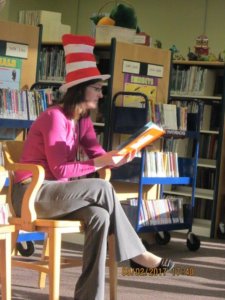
{"points": [[10, 72], [142, 84]]}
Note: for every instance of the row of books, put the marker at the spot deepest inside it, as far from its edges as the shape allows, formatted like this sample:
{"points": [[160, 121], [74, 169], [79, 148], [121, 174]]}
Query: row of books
{"points": [[52, 64], [179, 115], [203, 209], [208, 145], [161, 164], [155, 212], [206, 178], [183, 147], [23, 104], [195, 80], [169, 116]]}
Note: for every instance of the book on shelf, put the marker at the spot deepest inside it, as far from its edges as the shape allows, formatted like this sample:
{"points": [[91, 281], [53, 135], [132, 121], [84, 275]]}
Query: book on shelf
{"points": [[53, 29], [24, 104], [161, 164], [176, 209], [206, 117], [207, 84], [143, 137], [154, 211], [170, 116], [4, 213], [196, 80]]}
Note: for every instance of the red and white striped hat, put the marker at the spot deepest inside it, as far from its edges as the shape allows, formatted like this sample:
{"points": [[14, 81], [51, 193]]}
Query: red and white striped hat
{"points": [[80, 60]]}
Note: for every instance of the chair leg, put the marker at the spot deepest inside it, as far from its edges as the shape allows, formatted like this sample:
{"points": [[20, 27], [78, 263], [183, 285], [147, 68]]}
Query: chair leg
{"points": [[5, 266], [44, 256], [112, 268], [55, 237], [14, 241]]}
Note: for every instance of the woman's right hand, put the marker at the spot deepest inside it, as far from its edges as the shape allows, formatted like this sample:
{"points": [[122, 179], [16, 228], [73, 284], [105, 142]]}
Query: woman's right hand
{"points": [[113, 159]]}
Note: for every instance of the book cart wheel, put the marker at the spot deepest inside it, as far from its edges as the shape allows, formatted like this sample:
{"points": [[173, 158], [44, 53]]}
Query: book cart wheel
{"points": [[193, 242], [25, 248], [162, 237]]}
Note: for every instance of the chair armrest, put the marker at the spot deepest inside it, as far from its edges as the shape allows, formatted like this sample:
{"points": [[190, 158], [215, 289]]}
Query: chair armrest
{"points": [[104, 173], [28, 213]]}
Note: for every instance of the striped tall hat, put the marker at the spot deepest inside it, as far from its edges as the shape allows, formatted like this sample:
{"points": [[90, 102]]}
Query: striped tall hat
{"points": [[80, 60]]}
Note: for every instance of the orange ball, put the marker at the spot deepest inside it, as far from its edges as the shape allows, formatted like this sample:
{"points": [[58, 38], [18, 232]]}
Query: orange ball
{"points": [[106, 21]]}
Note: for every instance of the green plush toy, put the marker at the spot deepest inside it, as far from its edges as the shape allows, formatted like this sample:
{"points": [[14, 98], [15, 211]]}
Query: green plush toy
{"points": [[121, 15], [124, 16]]}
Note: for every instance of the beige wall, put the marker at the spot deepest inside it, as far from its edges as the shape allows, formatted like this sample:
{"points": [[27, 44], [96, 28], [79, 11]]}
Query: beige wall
{"points": [[176, 22]]}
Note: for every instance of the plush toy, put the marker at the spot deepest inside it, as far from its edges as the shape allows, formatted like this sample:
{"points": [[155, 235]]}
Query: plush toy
{"points": [[121, 15]]}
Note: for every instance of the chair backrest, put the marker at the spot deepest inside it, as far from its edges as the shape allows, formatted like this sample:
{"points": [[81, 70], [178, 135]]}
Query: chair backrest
{"points": [[12, 151]]}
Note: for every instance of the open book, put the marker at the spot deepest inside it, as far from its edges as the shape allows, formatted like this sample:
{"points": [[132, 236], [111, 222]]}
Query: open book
{"points": [[141, 138]]}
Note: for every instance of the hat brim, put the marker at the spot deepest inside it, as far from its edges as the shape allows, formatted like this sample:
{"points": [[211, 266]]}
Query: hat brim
{"points": [[63, 88]]}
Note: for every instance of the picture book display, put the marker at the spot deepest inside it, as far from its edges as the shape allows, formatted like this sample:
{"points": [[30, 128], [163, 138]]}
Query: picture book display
{"points": [[10, 72]]}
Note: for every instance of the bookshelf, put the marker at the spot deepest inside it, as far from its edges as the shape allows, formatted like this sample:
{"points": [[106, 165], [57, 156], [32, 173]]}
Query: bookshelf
{"points": [[27, 35], [188, 82], [121, 52]]}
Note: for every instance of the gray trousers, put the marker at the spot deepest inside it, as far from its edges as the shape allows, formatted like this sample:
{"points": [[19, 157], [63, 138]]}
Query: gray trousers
{"points": [[94, 201]]}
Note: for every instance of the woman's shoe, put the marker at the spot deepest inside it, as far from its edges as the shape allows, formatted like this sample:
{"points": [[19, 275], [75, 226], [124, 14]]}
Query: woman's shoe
{"points": [[164, 266]]}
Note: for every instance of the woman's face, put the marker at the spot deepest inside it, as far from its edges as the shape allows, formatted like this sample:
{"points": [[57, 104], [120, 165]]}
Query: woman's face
{"points": [[93, 93]]}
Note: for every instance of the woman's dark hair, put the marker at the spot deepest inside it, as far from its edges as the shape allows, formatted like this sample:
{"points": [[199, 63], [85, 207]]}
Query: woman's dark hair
{"points": [[74, 96]]}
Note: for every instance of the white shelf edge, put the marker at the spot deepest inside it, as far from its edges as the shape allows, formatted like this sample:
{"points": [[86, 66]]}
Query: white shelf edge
{"points": [[51, 81], [209, 131], [98, 124], [189, 96], [186, 191], [207, 163]]}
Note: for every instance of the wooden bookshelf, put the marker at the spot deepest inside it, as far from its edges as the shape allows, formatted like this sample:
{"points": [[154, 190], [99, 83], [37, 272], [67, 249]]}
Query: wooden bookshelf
{"points": [[211, 164], [23, 34]]}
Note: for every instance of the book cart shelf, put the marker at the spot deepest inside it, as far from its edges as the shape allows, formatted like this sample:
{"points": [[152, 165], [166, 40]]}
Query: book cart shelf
{"points": [[126, 120]]}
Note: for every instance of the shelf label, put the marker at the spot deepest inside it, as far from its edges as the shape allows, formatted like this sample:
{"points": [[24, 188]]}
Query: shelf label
{"points": [[132, 67], [16, 50], [155, 70]]}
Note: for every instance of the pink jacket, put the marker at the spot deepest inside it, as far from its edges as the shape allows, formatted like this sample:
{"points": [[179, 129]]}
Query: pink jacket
{"points": [[52, 142]]}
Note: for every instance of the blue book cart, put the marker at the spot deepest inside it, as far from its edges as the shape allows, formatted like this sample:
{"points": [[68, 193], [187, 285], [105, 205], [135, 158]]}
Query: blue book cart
{"points": [[128, 120]]}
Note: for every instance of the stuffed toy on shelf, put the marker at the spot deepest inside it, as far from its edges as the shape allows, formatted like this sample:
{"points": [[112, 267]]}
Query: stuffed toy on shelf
{"points": [[121, 15]]}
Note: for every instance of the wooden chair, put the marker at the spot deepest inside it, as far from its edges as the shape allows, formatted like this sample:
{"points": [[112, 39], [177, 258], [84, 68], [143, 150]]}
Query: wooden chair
{"points": [[51, 260], [5, 249], [5, 260]]}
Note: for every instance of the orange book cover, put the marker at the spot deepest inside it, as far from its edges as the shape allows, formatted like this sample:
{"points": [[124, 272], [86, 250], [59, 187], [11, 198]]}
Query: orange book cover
{"points": [[141, 138]]}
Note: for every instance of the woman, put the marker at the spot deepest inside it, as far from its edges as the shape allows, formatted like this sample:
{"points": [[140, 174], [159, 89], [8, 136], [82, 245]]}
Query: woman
{"points": [[53, 142]]}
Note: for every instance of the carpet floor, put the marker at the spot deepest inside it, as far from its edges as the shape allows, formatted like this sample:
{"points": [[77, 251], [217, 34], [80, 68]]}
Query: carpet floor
{"points": [[197, 275]]}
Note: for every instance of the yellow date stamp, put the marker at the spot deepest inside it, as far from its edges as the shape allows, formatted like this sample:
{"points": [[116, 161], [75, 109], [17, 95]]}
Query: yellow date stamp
{"points": [[183, 270], [127, 271], [176, 271]]}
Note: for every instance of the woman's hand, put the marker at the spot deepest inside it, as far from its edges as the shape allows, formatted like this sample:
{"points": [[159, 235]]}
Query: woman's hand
{"points": [[112, 159]]}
